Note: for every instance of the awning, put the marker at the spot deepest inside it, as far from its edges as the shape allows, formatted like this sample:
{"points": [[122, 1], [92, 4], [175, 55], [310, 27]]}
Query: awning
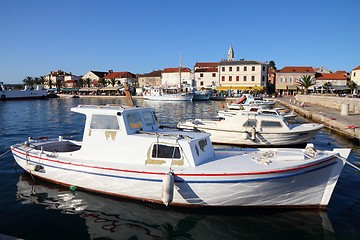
{"points": [[69, 89], [226, 88], [88, 89], [286, 87], [109, 88], [336, 88]]}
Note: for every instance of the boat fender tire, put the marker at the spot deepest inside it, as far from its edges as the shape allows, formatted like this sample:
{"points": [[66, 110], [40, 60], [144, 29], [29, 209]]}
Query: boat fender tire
{"points": [[3, 96]]}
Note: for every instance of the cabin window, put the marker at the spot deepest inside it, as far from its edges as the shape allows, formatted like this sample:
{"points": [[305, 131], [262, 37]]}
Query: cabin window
{"points": [[134, 120], [165, 151], [250, 123], [149, 119], [104, 122], [270, 124], [269, 112]]}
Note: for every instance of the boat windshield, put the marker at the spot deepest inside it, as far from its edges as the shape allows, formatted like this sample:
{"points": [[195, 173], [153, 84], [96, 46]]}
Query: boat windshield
{"points": [[250, 123], [270, 124], [134, 120], [104, 122]]}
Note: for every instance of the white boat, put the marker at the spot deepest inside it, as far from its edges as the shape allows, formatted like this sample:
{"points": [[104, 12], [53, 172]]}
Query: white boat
{"points": [[248, 100], [125, 153], [168, 94], [27, 93], [202, 95], [253, 129], [265, 111], [109, 218]]}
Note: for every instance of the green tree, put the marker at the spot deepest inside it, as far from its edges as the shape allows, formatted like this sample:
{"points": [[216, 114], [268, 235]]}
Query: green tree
{"points": [[112, 82], [352, 85], [88, 82], [80, 83], [29, 81], [306, 81], [272, 64], [327, 86], [102, 82], [58, 84]]}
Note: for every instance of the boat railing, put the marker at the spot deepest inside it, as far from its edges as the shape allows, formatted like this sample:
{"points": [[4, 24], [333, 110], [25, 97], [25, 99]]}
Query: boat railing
{"points": [[177, 136]]}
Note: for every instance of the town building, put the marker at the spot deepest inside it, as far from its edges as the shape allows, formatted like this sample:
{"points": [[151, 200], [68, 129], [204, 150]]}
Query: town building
{"points": [[176, 76], [119, 78], [94, 76], [241, 75], [287, 78], [206, 75], [330, 82], [150, 79], [355, 75]]}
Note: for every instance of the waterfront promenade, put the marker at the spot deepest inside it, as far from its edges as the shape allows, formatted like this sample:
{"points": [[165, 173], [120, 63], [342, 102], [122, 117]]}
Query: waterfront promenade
{"points": [[346, 125]]}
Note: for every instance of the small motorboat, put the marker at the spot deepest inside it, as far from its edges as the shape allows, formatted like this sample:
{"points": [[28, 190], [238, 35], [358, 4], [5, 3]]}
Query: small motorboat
{"points": [[248, 100], [265, 111], [202, 95], [125, 153], [246, 128]]}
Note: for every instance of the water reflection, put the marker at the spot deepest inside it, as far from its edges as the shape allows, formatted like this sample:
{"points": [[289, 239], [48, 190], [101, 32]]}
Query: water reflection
{"points": [[118, 219]]}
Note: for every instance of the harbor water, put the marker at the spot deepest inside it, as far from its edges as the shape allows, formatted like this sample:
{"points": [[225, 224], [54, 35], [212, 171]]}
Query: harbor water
{"points": [[33, 209]]}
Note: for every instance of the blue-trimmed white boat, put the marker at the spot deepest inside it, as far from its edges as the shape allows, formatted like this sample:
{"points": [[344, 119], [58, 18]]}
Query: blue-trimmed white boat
{"points": [[125, 153], [27, 93]]}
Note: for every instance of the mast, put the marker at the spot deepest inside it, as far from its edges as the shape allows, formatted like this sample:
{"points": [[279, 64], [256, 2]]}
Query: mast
{"points": [[180, 66]]}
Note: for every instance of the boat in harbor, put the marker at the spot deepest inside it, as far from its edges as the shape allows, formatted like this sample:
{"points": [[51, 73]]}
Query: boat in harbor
{"points": [[125, 153], [247, 128], [288, 115], [248, 100], [202, 95], [168, 94], [27, 93]]}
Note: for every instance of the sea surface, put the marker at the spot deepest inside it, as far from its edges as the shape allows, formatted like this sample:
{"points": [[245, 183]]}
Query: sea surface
{"points": [[33, 209]]}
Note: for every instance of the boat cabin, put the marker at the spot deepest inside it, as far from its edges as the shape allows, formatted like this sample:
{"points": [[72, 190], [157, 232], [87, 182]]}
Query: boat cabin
{"points": [[134, 136]]}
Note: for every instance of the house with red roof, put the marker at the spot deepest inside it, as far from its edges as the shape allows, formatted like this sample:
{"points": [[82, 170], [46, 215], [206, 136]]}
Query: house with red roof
{"points": [[172, 77], [355, 75], [120, 78], [287, 78], [331, 81], [150, 79], [206, 74]]}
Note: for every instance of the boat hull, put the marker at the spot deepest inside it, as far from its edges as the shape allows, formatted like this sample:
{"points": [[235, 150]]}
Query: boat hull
{"points": [[170, 97], [244, 138], [301, 186], [21, 94]]}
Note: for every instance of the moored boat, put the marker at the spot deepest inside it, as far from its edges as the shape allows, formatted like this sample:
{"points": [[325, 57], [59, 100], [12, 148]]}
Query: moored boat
{"points": [[202, 95], [247, 100], [247, 128], [27, 93], [125, 153], [168, 94]]}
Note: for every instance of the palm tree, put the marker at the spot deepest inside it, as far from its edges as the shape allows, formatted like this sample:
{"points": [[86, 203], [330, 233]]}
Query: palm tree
{"points": [[58, 84], [102, 82], [306, 81], [88, 82], [352, 85], [29, 81], [327, 86], [80, 82], [113, 81]]}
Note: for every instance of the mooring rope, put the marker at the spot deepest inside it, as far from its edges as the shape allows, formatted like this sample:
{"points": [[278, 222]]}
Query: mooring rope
{"points": [[1, 155]]}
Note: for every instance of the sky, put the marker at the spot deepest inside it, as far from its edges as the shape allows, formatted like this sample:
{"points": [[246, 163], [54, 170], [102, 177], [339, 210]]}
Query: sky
{"points": [[76, 36]]}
